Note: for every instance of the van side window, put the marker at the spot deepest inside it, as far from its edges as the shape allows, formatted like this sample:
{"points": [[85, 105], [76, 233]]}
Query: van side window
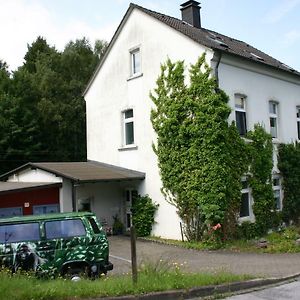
{"points": [[12, 233], [64, 228], [94, 225]]}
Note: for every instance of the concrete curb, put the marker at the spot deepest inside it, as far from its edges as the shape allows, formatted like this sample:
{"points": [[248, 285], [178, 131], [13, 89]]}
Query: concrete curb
{"points": [[204, 291]]}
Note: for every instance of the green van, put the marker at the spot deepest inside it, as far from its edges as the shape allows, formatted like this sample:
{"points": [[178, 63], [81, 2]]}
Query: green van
{"points": [[67, 244]]}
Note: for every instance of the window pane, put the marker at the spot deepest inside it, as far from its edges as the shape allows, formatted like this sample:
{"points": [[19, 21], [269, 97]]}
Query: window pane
{"points": [[241, 122], [298, 125], [129, 135], [136, 65], [244, 212], [273, 127], [64, 228], [11, 212], [276, 182], [128, 113], [277, 199], [273, 108], [239, 102], [19, 232], [244, 184], [298, 112], [45, 209], [94, 225]]}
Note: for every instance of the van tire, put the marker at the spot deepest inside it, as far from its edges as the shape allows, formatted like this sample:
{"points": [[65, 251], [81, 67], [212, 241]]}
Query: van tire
{"points": [[76, 274]]}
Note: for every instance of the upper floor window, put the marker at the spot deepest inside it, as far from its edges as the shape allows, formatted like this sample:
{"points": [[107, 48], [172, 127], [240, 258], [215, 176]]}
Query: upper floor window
{"points": [[128, 127], [273, 112], [298, 121], [135, 61], [240, 113]]}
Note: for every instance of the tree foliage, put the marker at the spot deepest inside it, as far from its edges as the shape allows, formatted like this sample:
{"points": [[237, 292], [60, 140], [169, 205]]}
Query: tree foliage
{"points": [[41, 104], [289, 166], [201, 157]]}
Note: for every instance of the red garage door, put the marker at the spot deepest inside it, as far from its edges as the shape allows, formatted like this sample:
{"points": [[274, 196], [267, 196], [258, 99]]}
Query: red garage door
{"points": [[34, 201]]}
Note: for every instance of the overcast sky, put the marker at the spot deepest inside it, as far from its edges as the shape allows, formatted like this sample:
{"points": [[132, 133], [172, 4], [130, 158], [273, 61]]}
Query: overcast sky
{"points": [[272, 26]]}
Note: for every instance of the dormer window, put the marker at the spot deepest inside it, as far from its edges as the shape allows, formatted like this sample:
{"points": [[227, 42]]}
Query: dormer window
{"points": [[240, 113], [135, 56]]}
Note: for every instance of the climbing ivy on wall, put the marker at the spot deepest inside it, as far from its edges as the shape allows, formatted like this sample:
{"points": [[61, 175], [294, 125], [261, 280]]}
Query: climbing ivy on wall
{"points": [[201, 157], [260, 178], [289, 166]]}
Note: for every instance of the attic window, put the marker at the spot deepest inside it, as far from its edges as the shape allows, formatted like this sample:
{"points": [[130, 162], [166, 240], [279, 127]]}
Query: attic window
{"points": [[256, 56]]}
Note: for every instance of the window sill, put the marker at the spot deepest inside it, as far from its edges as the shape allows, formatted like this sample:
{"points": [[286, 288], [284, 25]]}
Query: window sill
{"points": [[275, 140], [128, 147], [135, 76]]}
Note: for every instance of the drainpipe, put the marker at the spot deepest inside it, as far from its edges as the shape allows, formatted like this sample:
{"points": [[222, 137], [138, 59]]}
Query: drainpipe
{"points": [[217, 57], [74, 202]]}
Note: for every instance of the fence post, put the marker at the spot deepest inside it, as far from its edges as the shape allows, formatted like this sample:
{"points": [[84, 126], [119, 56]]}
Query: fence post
{"points": [[133, 254]]}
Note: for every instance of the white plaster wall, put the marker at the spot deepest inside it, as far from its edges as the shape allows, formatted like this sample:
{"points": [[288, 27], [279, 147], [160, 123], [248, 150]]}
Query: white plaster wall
{"points": [[34, 175], [107, 199], [111, 93], [65, 196], [260, 89]]}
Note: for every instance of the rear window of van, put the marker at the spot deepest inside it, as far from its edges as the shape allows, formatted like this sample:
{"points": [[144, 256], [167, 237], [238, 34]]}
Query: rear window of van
{"points": [[12, 233], [64, 228]]}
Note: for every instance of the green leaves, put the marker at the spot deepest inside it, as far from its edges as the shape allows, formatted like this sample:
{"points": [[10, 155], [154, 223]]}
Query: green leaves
{"points": [[196, 147]]}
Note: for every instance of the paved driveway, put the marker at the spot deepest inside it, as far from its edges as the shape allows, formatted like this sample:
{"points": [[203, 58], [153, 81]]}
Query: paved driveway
{"points": [[271, 265]]}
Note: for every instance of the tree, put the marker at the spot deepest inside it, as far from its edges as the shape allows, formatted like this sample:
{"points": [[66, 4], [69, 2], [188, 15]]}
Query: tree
{"points": [[201, 157], [44, 111]]}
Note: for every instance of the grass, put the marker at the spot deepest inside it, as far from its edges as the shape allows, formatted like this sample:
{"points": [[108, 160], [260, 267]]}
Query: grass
{"points": [[151, 278], [278, 242]]}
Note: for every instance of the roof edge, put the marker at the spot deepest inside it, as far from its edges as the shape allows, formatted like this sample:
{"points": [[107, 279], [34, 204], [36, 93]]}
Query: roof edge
{"points": [[110, 45]]}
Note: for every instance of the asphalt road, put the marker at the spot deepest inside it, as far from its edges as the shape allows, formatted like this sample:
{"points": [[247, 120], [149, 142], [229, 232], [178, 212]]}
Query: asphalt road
{"points": [[289, 291]]}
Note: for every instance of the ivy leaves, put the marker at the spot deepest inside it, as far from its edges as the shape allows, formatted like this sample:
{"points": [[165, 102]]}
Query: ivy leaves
{"points": [[196, 147]]}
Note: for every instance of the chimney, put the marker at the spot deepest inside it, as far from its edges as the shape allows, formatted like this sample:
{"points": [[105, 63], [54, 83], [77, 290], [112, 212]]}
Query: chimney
{"points": [[190, 13]]}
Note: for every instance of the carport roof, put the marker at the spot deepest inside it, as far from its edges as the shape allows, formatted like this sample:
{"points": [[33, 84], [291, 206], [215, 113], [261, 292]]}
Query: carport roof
{"points": [[89, 171], [7, 187]]}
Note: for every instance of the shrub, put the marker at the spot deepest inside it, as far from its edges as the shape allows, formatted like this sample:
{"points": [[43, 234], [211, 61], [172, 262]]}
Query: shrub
{"points": [[247, 230], [143, 211]]}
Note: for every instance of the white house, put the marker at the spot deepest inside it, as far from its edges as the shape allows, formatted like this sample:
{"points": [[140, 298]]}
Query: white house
{"points": [[119, 131]]}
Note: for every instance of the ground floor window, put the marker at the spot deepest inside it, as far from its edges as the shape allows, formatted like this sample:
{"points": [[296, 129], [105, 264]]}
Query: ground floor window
{"points": [[11, 212], [45, 209], [245, 200], [277, 192]]}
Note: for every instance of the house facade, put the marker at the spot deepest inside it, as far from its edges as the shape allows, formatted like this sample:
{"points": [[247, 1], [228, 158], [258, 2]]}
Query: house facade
{"points": [[119, 131]]}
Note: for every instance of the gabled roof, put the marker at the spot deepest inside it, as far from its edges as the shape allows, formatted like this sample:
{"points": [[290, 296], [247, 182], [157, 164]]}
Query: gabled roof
{"points": [[205, 37], [217, 41], [82, 171]]}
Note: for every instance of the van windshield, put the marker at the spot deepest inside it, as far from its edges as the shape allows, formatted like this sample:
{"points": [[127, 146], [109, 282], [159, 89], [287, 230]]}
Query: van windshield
{"points": [[12, 233], [64, 228]]}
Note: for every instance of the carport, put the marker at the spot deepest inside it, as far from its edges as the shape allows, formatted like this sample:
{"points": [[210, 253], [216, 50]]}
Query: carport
{"points": [[105, 189]]}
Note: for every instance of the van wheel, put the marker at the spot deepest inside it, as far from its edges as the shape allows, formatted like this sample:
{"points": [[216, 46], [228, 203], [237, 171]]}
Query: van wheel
{"points": [[76, 274]]}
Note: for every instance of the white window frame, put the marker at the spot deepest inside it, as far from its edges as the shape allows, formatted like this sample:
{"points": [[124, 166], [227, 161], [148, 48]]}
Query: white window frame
{"points": [[241, 109], [133, 56], [274, 115], [128, 206], [298, 121], [277, 188], [126, 121], [246, 190]]}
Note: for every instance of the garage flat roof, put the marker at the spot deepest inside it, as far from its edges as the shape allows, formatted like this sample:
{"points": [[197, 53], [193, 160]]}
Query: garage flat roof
{"points": [[6, 187], [89, 171]]}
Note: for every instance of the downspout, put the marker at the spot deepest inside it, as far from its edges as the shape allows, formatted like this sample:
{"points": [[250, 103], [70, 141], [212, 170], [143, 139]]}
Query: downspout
{"points": [[218, 57], [74, 202]]}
